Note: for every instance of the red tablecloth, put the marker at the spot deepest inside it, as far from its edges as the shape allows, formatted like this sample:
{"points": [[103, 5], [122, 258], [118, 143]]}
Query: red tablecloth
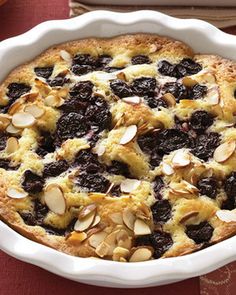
{"points": [[18, 278]]}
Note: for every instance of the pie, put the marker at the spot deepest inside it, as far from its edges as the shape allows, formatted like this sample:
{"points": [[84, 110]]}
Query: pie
{"points": [[121, 148]]}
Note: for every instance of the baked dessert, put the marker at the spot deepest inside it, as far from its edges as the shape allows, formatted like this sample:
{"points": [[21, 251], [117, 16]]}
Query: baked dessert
{"points": [[120, 148]]}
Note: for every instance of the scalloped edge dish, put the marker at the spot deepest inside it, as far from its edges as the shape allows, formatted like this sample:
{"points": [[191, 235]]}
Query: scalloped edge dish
{"points": [[203, 38]]}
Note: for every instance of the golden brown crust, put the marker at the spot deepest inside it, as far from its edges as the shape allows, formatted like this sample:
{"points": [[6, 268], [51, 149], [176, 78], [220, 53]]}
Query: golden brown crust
{"points": [[218, 74]]}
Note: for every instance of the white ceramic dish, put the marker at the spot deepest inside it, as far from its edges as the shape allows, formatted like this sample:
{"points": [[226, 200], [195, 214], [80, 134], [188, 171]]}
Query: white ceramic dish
{"points": [[203, 38]]}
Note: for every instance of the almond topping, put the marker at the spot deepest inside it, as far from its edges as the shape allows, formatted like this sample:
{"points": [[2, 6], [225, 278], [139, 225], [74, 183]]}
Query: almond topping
{"points": [[96, 239], [129, 134], [129, 185], [224, 151], [34, 110], [188, 216], [128, 218], [16, 193], [189, 82], [53, 101], [54, 199], [213, 96], [226, 215], [85, 223], [87, 210], [121, 76], [97, 219], [15, 107], [5, 120], [169, 99], [141, 254], [167, 169], [132, 99], [65, 55], [120, 252], [23, 120], [99, 150], [12, 129], [11, 145], [181, 159], [141, 228], [103, 249]]}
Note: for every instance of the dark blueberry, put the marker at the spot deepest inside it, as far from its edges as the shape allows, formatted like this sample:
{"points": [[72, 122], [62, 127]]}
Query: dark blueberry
{"points": [[70, 126], [205, 145], [46, 144], [156, 102], [115, 191], [98, 114], [147, 142], [200, 233], [230, 189], [55, 168], [102, 61], [120, 88], [44, 72], [84, 59], [165, 68], [40, 211], [208, 187], [191, 66], [158, 185], [140, 59], [178, 90], [201, 120], [197, 91], [3, 140], [54, 231], [81, 69], [58, 81], [155, 158], [179, 71], [161, 211], [82, 90], [74, 105], [144, 86], [88, 162], [15, 90], [112, 69], [161, 242], [93, 182], [32, 183], [142, 241], [5, 164], [172, 139], [118, 168], [28, 218]]}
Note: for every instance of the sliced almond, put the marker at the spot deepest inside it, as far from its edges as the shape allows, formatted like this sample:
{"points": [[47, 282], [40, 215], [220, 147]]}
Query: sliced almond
{"points": [[226, 215], [169, 99], [23, 120], [188, 216], [96, 239], [116, 218], [188, 81], [154, 48], [121, 76], [128, 218], [97, 219], [54, 199], [103, 249], [65, 55], [12, 145], [43, 87], [191, 188], [132, 100], [5, 120], [34, 110], [141, 228], [16, 193], [181, 159], [76, 238], [85, 223], [141, 254], [224, 151], [129, 134], [167, 169], [129, 185], [213, 96], [15, 107], [87, 210], [53, 101], [120, 252], [12, 129]]}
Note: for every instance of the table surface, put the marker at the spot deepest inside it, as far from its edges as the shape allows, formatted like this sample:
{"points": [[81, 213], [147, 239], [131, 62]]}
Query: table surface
{"points": [[18, 16]]}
